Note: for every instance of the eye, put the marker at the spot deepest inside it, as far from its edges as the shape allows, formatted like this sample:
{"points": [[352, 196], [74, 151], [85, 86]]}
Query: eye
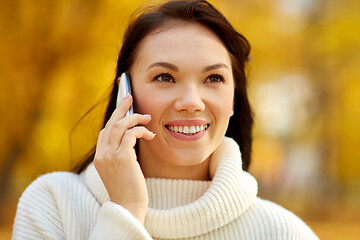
{"points": [[214, 78], [164, 77]]}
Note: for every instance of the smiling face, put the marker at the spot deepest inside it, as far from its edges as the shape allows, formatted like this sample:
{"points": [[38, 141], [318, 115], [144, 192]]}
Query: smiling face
{"points": [[182, 76]]}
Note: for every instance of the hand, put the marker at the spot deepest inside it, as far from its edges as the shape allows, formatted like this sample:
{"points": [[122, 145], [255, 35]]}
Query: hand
{"points": [[116, 161]]}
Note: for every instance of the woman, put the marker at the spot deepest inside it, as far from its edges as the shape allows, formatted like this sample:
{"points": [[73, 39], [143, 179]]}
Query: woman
{"points": [[185, 180]]}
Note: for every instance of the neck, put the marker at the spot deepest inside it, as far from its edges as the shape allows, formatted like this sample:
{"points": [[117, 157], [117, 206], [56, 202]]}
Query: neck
{"points": [[156, 167]]}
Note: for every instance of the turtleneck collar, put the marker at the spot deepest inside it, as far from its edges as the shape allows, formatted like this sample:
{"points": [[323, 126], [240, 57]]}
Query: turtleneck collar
{"points": [[187, 208]]}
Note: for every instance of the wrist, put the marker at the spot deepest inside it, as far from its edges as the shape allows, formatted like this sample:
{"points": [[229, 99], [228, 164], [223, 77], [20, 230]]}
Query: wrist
{"points": [[138, 212]]}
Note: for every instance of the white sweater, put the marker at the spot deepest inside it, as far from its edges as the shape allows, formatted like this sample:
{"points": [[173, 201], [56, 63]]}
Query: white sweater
{"points": [[64, 205]]}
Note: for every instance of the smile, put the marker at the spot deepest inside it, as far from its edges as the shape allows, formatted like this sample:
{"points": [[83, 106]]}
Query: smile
{"points": [[187, 130]]}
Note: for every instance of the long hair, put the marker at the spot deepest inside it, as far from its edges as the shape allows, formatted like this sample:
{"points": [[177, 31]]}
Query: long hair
{"points": [[202, 12]]}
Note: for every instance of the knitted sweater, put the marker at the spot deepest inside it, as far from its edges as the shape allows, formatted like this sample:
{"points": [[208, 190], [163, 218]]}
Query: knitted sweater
{"points": [[64, 205]]}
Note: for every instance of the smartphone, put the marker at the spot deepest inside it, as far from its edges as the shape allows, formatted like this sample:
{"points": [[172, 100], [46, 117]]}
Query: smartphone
{"points": [[124, 88]]}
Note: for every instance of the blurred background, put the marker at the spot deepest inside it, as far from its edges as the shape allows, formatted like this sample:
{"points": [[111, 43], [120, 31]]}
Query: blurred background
{"points": [[58, 60]]}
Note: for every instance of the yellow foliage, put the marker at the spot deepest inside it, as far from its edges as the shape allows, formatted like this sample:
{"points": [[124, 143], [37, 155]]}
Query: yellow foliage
{"points": [[58, 59]]}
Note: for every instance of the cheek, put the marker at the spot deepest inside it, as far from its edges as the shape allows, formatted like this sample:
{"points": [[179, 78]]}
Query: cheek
{"points": [[148, 101], [222, 110], [140, 94], [222, 102], [141, 103]]}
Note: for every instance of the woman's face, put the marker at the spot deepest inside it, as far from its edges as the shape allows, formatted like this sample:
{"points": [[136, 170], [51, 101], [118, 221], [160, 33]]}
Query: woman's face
{"points": [[182, 76]]}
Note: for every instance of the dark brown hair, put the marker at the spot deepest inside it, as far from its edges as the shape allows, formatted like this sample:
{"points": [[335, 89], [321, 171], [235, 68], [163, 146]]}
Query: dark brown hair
{"points": [[202, 12]]}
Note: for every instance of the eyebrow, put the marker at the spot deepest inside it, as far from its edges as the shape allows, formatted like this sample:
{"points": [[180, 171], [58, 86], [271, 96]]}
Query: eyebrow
{"points": [[165, 65], [215, 66], [176, 69]]}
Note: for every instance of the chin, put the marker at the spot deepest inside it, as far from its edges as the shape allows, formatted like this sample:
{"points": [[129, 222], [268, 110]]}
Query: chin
{"points": [[189, 158]]}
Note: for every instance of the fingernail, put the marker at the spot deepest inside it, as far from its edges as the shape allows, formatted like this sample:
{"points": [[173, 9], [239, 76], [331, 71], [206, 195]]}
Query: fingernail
{"points": [[127, 96], [147, 115]]}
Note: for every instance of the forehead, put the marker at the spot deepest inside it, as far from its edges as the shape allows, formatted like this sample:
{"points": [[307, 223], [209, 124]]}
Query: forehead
{"points": [[182, 39]]}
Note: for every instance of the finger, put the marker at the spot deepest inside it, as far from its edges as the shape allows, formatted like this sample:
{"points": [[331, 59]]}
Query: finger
{"points": [[116, 131], [130, 136], [100, 137], [120, 110], [99, 142]]}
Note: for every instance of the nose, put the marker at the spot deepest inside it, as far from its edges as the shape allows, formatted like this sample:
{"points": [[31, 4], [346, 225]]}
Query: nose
{"points": [[190, 99]]}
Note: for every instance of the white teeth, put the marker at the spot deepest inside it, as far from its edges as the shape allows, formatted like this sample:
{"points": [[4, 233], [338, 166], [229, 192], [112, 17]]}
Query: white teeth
{"points": [[188, 129]]}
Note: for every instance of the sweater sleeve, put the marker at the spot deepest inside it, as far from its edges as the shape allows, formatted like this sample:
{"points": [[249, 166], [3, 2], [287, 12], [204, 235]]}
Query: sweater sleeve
{"points": [[115, 222], [279, 223], [55, 207], [37, 216]]}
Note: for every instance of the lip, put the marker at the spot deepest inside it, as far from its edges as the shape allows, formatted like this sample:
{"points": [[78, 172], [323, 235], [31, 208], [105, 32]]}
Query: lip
{"points": [[187, 122]]}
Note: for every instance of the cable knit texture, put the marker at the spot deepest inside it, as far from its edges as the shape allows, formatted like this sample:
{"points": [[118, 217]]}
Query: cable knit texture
{"points": [[64, 205]]}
